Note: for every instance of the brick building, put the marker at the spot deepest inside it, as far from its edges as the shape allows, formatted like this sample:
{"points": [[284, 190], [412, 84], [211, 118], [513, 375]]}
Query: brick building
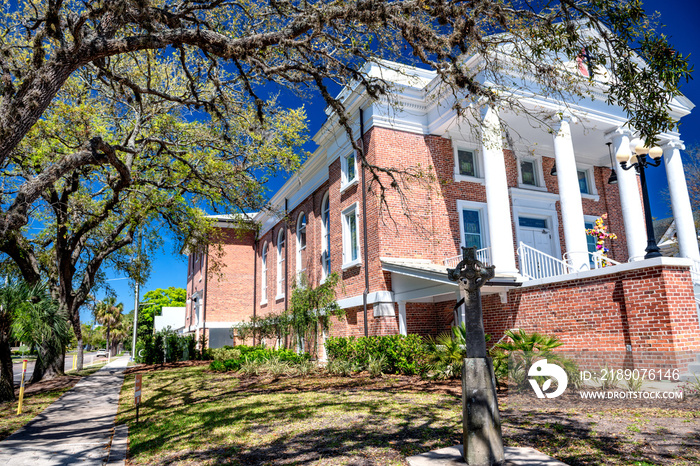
{"points": [[524, 195]]}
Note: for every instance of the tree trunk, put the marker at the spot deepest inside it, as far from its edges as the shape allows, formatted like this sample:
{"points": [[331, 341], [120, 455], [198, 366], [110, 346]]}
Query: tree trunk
{"points": [[47, 367], [7, 388], [79, 335], [79, 364]]}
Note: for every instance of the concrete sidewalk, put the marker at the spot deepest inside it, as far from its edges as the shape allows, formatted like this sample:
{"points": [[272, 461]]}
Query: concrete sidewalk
{"points": [[76, 429]]}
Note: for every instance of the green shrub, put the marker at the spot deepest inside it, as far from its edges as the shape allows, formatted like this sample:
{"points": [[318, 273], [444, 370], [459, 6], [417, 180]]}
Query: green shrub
{"points": [[217, 366], [512, 359], [341, 367], [404, 354], [227, 352], [376, 366], [257, 359]]}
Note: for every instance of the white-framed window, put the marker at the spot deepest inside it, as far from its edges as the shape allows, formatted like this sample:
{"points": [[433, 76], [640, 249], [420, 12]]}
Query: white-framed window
{"points": [[325, 237], [529, 175], [586, 181], [301, 244], [591, 240], [583, 182], [472, 224], [530, 172], [351, 237], [348, 169], [467, 165], [263, 275], [280, 264]]}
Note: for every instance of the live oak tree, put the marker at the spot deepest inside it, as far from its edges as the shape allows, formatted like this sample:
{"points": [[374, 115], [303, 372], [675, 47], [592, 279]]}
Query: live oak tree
{"points": [[174, 163], [124, 113]]}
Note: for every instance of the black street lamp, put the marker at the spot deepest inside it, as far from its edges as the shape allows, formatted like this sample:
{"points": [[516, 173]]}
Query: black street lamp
{"points": [[639, 157]]}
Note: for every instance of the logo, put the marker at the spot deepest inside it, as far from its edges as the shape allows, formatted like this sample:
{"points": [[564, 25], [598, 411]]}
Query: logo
{"points": [[543, 369]]}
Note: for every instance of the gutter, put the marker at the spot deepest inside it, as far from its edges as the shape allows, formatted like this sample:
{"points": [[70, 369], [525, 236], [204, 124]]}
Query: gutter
{"points": [[364, 220]]}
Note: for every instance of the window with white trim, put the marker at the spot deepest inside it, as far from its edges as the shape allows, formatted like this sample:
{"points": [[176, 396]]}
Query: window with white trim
{"points": [[301, 244], [325, 237], [471, 219], [351, 238], [467, 163], [472, 224], [529, 175], [263, 278], [584, 181], [280, 264], [348, 168]]}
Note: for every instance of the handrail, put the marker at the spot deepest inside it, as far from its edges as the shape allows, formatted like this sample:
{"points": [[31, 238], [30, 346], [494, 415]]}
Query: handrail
{"points": [[695, 271], [536, 264], [483, 255], [598, 260]]}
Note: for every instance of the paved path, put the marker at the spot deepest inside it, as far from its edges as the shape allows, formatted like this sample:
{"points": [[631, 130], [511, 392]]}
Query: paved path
{"points": [[76, 429]]}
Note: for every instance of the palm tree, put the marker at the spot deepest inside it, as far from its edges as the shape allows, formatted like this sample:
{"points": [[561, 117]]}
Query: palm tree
{"points": [[41, 323], [108, 313], [12, 296], [120, 331]]}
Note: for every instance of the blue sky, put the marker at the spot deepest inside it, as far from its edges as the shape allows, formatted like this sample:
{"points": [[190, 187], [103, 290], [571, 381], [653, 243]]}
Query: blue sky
{"points": [[680, 19]]}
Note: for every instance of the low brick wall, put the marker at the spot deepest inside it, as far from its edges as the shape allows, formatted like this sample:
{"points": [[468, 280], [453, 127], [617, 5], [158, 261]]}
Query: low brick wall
{"points": [[639, 317]]}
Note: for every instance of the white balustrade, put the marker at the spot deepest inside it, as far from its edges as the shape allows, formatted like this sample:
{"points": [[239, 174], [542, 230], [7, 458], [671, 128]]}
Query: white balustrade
{"points": [[482, 255], [535, 264]]}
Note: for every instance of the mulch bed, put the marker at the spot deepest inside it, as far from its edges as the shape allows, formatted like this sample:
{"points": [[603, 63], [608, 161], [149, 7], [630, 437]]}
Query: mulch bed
{"points": [[57, 383]]}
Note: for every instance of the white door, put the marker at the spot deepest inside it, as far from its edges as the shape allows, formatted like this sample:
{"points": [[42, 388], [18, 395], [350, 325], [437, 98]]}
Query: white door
{"points": [[535, 233]]}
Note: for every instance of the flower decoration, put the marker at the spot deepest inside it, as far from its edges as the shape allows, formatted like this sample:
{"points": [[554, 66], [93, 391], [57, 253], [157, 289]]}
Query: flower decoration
{"points": [[601, 233]]}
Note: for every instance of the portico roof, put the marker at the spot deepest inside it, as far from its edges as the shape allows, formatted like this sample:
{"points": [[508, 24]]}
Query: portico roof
{"points": [[424, 281]]}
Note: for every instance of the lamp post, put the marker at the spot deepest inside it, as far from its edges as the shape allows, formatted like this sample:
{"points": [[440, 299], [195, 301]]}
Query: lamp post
{"points": [[639, 156]]}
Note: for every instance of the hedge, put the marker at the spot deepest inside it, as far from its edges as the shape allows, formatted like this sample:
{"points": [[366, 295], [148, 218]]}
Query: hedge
{"points": [[254, 353], [404, 354]]}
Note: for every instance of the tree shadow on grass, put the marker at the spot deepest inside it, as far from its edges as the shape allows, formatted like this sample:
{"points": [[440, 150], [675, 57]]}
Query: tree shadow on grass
{"points": [[585, 442], [220, 419]]}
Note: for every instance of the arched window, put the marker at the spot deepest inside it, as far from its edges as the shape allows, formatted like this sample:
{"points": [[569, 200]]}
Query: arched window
{"points": [[263, 278], [301, 244], [280, 264], [325, 237]]}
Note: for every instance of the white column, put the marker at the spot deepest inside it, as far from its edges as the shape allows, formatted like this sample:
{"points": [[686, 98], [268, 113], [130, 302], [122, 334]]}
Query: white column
{"points": [[403, 328], [570, 196], [680, 201], [630, 199], [459, 316], [497, 200]]}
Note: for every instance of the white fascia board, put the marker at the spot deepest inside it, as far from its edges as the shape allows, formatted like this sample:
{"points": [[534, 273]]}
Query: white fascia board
{"points": [[374, 297], [613, 269], [418, 273], [428, 292], [408, 115], [298, 187]]}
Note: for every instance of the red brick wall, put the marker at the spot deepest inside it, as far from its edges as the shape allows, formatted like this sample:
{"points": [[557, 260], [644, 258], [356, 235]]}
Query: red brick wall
{"points": [[229, 295], [423, 223], [651, 309], [229, 284]]}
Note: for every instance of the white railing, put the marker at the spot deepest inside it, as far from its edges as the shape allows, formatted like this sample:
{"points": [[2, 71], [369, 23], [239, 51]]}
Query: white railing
{"points": [[535, 264], [482, 255], [695, 271], [595, 259]]}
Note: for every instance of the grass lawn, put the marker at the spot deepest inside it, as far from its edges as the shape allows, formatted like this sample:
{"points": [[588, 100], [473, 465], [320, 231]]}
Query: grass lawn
{"points": [[192, 416], [36, 398]]}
